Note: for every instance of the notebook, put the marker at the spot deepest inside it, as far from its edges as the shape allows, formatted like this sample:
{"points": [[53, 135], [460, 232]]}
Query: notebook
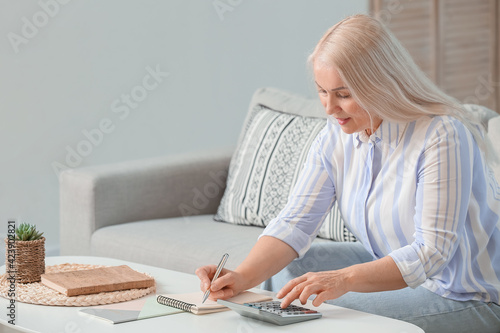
{"points": [[192, 302], [142, 308]]}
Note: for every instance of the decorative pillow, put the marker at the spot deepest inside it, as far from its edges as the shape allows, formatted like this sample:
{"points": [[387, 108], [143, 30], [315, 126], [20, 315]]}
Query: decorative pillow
{"points": [[265, 167], [482, 113], [494, 139], [491, 122]]}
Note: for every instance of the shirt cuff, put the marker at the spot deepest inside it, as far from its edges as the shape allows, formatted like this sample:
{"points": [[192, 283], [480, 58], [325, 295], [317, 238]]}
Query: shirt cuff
{"points": [[293, 236], [410, 265]]}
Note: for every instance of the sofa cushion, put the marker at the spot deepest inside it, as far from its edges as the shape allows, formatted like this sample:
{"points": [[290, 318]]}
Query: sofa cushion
{"points": [[265, 167], [165, 242]]}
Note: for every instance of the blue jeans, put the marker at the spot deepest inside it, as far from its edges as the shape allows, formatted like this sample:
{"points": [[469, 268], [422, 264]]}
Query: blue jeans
{"points": [[418, 306]]}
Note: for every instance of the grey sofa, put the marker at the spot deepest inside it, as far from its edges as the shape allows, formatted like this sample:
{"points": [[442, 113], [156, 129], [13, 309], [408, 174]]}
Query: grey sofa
{"points": [[160, 211]]}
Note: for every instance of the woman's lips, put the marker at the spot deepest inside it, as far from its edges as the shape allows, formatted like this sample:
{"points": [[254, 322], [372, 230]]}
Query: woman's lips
{"points": [[343, 121]]}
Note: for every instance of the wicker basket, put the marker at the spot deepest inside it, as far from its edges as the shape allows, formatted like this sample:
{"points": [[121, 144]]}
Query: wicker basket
{"points": [[28, 264]]}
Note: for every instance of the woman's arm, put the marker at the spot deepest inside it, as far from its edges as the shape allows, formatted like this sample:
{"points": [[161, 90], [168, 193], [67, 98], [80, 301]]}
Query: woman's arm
{"points": [[444, 179], [379, 275], [287, 235], [268, 256]]}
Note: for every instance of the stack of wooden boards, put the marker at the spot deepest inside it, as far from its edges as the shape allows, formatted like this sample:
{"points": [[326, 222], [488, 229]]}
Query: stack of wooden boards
{"points": [[97, 280]]}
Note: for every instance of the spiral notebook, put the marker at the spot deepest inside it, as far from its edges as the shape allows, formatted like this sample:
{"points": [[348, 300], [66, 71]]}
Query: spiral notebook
{"points": [[192, 302]]}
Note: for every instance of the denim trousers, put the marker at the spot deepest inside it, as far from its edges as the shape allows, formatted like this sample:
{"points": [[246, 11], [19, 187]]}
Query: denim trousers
{"points": [[418, 306]]}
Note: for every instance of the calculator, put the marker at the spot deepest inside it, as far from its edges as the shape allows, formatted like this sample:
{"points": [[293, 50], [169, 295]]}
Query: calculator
{"points": [[272, 312]]}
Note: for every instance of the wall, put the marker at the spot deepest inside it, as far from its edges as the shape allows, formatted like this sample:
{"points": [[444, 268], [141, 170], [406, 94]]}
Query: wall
{"points": [[93, 82]]}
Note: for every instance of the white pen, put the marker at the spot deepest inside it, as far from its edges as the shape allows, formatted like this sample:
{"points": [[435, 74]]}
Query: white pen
{"points": [[219, 269]]}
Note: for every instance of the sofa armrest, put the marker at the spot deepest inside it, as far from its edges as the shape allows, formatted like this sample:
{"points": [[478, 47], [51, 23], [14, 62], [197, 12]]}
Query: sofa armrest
{"points": [[172, 186]]}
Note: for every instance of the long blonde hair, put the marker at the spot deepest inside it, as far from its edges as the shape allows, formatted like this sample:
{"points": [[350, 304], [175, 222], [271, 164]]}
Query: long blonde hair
{"points": [[382, 76]]}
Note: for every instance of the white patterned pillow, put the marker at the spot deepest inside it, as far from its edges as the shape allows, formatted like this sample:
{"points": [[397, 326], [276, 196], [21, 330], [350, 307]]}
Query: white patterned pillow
{"points": [[494, 139], [265, 167]]}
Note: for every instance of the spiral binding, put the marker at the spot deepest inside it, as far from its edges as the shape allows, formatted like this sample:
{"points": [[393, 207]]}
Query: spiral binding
{"points": [[174, 303]]}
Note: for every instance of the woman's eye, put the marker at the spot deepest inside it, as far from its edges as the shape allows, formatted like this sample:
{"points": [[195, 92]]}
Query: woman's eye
{"points": [[322, 92], [339, 95]]}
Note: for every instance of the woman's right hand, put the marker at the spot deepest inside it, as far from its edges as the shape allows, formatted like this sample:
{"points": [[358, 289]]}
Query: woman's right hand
{"points": [[268, 256], [228, 284]]}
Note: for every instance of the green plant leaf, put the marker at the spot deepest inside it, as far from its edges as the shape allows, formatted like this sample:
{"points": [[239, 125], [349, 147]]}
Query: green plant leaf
{"points": [[27, 232]]}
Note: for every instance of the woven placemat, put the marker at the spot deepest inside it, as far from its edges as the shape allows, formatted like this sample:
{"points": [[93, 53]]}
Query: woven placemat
{"points": [[37, 293]]}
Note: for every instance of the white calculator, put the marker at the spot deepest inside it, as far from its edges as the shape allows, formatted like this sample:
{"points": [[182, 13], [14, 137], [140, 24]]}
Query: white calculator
{"points": [[272, 312]]}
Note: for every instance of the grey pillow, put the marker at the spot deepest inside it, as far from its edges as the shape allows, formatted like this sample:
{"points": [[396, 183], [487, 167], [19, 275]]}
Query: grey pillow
{"points": [[265, 167]]}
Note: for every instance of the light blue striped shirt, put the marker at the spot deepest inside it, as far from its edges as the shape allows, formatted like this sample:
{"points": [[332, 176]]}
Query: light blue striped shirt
{"points": [[419, 192]]}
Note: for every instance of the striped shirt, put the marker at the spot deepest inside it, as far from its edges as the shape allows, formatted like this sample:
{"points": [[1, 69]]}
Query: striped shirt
{"points": [[419, 192]]}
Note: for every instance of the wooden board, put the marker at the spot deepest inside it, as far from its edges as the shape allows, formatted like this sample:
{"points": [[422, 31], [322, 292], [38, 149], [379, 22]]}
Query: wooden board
{"points": [[93, 281], [455, 42]]}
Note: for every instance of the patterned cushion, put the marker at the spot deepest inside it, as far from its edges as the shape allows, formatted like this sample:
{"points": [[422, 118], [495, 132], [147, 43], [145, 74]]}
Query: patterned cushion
{"points": [[265, 167]]}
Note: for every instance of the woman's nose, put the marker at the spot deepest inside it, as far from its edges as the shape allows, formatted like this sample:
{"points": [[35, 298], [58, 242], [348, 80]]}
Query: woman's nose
{"points": [[331, 106]]}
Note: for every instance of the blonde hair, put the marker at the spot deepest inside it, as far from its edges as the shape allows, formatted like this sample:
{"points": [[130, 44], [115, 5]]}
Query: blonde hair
{"points": [[382, 76]]}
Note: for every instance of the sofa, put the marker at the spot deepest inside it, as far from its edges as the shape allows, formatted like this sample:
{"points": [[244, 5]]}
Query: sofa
{"points": [[184, 211]]}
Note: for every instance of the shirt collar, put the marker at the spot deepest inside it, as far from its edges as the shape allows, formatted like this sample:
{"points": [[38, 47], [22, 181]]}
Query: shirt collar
{"points": [[389, 133]]}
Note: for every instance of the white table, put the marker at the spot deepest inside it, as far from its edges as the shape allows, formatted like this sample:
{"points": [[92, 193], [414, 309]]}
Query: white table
{"points": [[58, 319]]}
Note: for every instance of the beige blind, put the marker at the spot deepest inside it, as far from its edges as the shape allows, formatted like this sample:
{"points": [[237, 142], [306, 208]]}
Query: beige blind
{"points": [[454, 41]]}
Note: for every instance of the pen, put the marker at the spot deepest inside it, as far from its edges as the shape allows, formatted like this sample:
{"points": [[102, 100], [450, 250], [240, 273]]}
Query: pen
{"points": [[219, 269]]}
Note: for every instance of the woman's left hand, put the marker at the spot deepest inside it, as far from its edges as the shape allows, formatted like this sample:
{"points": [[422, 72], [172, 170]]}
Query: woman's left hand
{"points": [[326, 285], [378, 275]]}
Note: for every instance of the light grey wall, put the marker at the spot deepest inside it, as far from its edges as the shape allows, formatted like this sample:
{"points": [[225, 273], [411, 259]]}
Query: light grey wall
{"points": [[66, 68]]}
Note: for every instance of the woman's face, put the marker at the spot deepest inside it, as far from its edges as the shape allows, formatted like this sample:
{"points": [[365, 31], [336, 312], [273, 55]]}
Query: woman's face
{"points": [[338, 102]]}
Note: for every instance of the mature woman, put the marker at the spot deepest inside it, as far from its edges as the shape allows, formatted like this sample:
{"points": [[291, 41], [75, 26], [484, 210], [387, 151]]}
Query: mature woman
{"points": [[409, 171]]}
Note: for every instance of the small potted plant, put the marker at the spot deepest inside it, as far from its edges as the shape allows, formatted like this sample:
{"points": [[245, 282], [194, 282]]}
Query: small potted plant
{"points": [[25, 253]]}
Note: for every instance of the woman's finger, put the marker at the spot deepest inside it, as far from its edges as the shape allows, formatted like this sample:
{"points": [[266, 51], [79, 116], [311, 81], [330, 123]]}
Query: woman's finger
{"points": [[308, 290], [225, 279], [289, 286], [221, 294], [320, 298], [205, 275], [294, 293]]}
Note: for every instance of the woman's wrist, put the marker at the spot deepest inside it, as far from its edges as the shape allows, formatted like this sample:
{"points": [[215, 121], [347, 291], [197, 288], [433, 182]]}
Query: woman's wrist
{"points": [[349, 278], [267, 257], [247, 277], [378, 275]]}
